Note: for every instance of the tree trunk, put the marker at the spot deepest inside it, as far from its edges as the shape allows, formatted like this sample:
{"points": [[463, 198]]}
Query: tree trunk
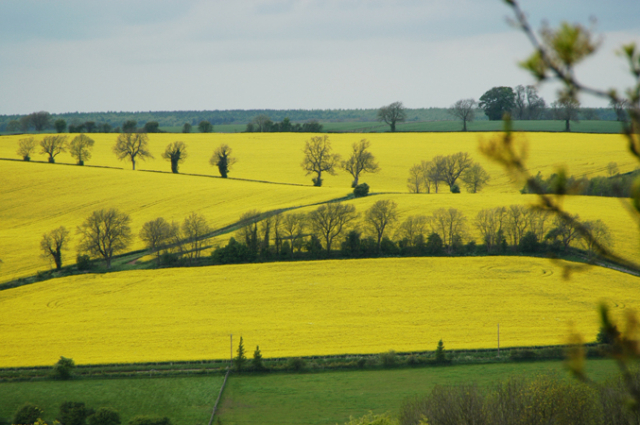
{"points": [[133, 163], [174, 166], [57, 258], [51, 160], [355, 182], [567, 126], [464, 125], [393, 126]]}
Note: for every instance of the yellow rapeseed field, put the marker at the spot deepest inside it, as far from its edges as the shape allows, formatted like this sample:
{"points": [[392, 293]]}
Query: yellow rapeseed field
{"points": [[304, 308], [37, 198], [276, 157]]}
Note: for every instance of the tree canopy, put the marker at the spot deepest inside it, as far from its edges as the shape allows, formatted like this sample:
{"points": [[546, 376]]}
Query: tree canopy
{"points": [[497, 102]]}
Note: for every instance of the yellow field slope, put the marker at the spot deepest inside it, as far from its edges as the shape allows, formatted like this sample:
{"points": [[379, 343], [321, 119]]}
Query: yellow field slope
{"points": [[37, 198], [304, 308], [276, 157]]}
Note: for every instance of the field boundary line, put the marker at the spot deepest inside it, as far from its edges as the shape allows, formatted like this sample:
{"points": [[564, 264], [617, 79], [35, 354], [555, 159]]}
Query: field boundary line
{"points": [[215, 407]]}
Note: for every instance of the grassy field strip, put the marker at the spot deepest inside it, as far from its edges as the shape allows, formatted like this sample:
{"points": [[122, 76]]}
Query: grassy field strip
{"points": [[331, 398], [186, 401], [43, 197], [276, 157], [304, 308], [317, 398]]}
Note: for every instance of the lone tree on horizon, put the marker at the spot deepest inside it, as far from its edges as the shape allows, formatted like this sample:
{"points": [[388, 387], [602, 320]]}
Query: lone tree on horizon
{"points": [[318, 157], [132, 146], [465, 109], [392, 114]]}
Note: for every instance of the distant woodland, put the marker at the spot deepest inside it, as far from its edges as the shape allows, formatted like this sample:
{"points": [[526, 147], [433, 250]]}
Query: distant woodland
{"points": [[243, 117]]}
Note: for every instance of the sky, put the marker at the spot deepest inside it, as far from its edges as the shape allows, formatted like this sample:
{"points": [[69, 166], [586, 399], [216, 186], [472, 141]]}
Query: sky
{"points": [[158, 55]]}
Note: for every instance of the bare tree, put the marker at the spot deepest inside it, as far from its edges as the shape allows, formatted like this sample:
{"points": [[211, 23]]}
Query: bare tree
{"points": [[105, 233], [517, 223], [454, 165], [80, 148], [475, 178], [490, 223], [330, 220], [194, 229], [53, 145], [566, 109], [40, 120], [392, 114], [465, 109], [451, 225], [157, 234], [131, 146], [412, 229], [435, 171], [293, 228], [53, 243], [319, 158], [601, 233], [381, 216], [262, 122], [566, 233], [528, 104], [176, 153], [415, 181], [26, 147], [360, 161], [222, 159], [620, 107]]}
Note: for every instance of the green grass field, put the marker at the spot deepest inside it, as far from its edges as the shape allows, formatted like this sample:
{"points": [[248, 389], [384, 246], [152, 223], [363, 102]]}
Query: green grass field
{"points": [[307, 398]]}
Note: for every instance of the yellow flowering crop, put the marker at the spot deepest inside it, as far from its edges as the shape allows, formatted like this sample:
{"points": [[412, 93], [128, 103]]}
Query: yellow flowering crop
{"points": [[37, 198], [304, 308], [276, 157]]}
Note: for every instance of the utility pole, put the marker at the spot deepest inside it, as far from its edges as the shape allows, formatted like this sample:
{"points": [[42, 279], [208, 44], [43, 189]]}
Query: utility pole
{"points": [[230, 349], [498, 339]]}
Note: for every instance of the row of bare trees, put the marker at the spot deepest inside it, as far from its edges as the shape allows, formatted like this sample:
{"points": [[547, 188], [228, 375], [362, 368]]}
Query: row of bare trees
{"points": [[428, 175], [107, 232], [379, 231], [129, 146]]}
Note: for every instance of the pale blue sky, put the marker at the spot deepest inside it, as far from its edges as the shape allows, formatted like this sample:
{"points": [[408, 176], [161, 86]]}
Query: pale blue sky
{"points": [[139, 55]]}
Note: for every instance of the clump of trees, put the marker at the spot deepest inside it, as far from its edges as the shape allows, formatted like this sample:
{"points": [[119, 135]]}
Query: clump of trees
{"points": [[262, 124], [613, 185], [428, 175]]}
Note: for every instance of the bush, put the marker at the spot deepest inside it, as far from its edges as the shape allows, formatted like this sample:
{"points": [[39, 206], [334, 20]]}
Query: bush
{"points": [[523, 355], [296, 364], [455, 189], [388, 359], [149, 420], [371, 419], [361, 363], [529, 243], [361, 190], [83, 262], [27, 414], [63, 369], [74, 413], [104, 416]]}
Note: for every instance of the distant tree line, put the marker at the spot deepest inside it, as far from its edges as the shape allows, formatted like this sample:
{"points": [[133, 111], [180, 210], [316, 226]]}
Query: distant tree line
{"points": [[263, 124], [103, 122]]}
